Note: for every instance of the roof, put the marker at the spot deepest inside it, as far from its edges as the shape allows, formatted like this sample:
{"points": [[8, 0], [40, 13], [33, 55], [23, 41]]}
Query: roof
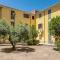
{"points": [[13, 8], [32, 11], [50, 7]]}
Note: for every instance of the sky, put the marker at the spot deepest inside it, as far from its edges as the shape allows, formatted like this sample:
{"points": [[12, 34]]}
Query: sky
{"points": [[29, 5]]}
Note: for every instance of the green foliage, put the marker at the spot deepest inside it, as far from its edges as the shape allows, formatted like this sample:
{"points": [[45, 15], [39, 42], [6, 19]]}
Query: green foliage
{"points": [[28, 34], [14, 36], [33, 35], [14, 33], [54, 26], [33, 42], [24, 33], [19, 33], [4, 28], [57, 43], [33, 32]]}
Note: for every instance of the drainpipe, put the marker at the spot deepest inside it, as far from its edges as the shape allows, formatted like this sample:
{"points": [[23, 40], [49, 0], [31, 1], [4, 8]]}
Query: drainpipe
{"points": [[44, 26], [30, 25], [30, 19], [35, 19], [14, 19]]}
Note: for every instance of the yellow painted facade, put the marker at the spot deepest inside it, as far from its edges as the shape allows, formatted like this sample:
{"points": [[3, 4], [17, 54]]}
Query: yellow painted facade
{"points": [[40, 18], [44, 20], [19, 18]]}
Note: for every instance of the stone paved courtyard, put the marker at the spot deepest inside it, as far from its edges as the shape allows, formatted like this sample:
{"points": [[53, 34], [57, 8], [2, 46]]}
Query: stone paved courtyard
{"points": [[28, 53]]}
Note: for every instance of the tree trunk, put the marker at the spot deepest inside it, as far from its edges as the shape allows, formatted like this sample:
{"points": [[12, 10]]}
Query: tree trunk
{"points": [[12, 43], [13, 46]]}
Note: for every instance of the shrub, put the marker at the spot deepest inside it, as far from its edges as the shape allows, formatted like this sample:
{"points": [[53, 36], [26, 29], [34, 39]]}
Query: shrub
{"points": [[33, 42], [30, 42], [57, 43]]}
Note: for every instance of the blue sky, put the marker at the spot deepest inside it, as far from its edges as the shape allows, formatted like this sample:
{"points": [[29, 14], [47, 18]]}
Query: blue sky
{"points": [[29, 5]]}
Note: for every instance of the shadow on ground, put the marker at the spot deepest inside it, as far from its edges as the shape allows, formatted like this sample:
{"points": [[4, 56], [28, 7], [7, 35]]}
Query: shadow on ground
{"points": [[56, 49], [18, 49], [5, 44]]}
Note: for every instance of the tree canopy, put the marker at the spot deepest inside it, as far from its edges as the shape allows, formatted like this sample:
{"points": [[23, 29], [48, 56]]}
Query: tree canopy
{"points": [[18, 33], [54, 26]]}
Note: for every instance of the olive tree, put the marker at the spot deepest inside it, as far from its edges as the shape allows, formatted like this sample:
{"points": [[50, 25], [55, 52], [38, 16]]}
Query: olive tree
{"points": [[7, 30], [13, 36], [18, 33]]}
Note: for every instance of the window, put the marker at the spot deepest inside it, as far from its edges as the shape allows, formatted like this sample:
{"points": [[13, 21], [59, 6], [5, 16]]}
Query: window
{"points": [[49, 11], [12, 23], [32, 17], [49, 14], [26, 15], [39, 26], [12, 14], [40, 15]]}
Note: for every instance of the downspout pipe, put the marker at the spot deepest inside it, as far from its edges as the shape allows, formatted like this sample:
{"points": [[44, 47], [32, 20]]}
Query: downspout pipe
{"points": [[44, 27]]}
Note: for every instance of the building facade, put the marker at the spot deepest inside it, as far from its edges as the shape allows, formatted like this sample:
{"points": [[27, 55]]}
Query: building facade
{"points": [[38, 18]]}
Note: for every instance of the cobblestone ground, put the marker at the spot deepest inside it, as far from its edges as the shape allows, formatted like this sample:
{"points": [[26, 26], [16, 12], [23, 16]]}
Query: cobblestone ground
{"points": [[28, 53]]}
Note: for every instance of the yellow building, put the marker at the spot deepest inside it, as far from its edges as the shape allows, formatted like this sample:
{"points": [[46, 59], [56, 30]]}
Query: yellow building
{"points": [[42, 22], [38, 18]]}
